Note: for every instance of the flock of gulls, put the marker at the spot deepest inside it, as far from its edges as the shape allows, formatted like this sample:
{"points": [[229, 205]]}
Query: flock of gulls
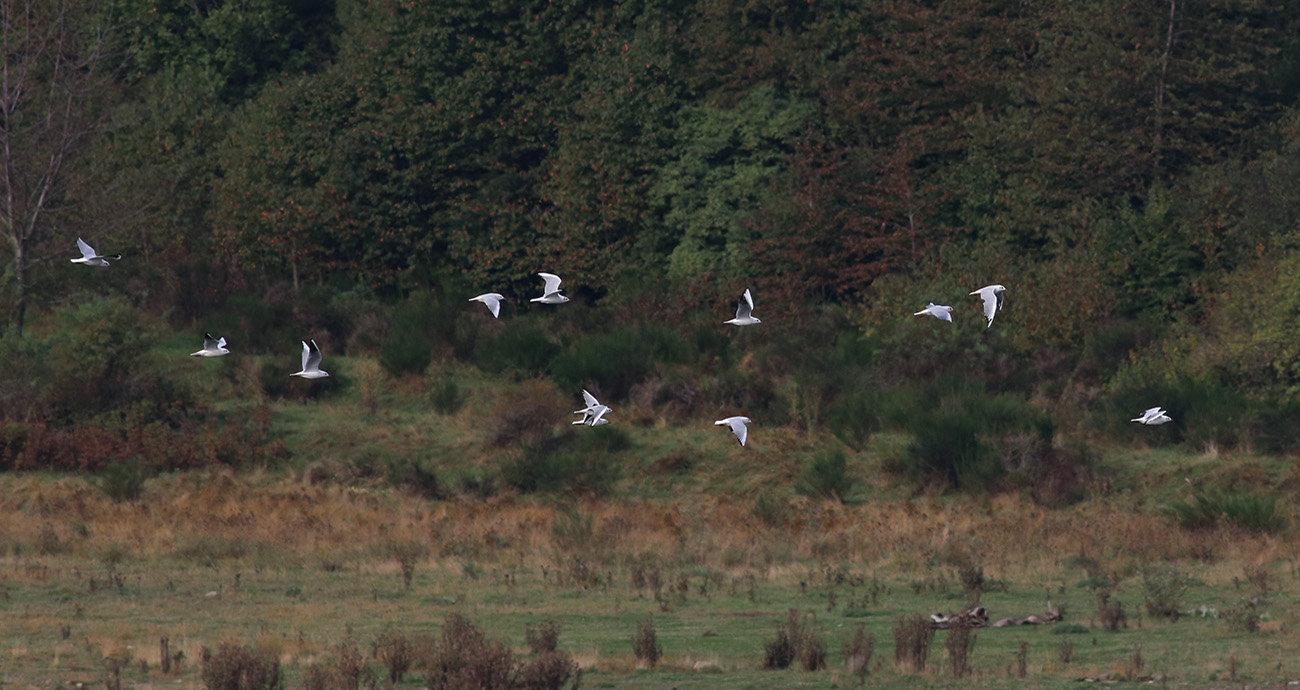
{"points": [[594, 413]]}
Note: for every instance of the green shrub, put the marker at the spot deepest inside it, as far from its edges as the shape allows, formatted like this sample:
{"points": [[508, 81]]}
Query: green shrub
{"points": [[96, 352], [406, 348], [123, 481], [1246, 510], [412, 474], [770, 510], [584, 461], [746, 390], [853, 417], [617, 360], [446, 397], [827, 476], [526, 350], [1162, 589]]}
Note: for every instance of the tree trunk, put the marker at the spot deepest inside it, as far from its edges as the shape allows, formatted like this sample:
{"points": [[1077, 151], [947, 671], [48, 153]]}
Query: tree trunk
{"points": [[1157, 139]]}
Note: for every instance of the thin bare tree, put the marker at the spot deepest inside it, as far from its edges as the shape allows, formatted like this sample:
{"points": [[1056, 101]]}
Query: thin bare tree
{"points": [[56, 81]]}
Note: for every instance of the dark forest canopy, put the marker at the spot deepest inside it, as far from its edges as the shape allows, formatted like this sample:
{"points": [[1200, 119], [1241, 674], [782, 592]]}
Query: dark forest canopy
{"points": [[1126, 169], [819, 145]]}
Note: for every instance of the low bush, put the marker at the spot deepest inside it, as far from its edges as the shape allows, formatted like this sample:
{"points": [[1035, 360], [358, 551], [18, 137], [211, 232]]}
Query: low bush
{"points": [[582, 461], [1162, 590], [858, 652], [616, 360], [1244, 617], [395, 651], [549, 671], [960, 642], [645, 644], [827, 476], [796, 640], [912, 638], [526, 350], [543, 637], [236, 667], [406, 350], [1110, 613], [123, 481], [853, 417], [1247, 510], [463, 658], [446, 397]]}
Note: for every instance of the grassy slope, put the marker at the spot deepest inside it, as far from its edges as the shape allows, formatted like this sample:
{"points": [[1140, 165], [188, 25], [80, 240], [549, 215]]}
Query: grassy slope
{"points": [[297, 567]]}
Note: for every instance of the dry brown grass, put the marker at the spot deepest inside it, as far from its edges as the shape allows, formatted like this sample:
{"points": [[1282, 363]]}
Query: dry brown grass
{"points": [[218, 515]]}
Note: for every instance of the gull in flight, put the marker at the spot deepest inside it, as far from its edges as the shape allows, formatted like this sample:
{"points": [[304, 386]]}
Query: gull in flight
{"points": [[493, 302], [743, 311], [938, 311], [90, 258], [992, 296], [551, 293], [594, 413], [212, 347], [311, 362], [738, 427], [1153, 417]]}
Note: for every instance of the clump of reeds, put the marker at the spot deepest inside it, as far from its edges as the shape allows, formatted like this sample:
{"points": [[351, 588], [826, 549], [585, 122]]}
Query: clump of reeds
{"points": [[912, 637]]}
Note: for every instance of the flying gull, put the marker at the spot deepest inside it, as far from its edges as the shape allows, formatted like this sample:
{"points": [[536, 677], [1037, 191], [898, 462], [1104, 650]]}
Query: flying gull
{"points": [[551, 293], [744, 311], [493, 302], [938, 311], [90, 257], [311, 362], [992, 296], [212, 347], [738, 427]]}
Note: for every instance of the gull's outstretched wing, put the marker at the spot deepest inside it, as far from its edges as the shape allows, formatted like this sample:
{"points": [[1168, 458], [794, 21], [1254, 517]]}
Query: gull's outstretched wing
{"points": [[552, 283]]}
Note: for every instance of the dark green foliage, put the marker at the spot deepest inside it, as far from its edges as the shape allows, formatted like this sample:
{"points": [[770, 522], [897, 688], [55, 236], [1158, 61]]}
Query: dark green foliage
{"points": [[414, 475], [407, 347], [584, 461], [123, 480], [446, 397], [772, 511], [613, 362], [97, 360], [853, 417], [827, 476], [526, 350], [1248, 510]]}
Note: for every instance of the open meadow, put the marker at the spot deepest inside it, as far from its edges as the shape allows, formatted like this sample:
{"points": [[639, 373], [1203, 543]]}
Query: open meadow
{"points": [[328, 566]]}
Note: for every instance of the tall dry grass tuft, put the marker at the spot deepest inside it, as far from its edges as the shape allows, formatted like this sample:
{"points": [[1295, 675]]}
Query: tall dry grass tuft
{"points": [[543, 637], [912, 637], [396, 653], [798, 638], [645, 644], [960, 643], [236, 667], [464, 658], [1111, 614], [858, 652]]}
